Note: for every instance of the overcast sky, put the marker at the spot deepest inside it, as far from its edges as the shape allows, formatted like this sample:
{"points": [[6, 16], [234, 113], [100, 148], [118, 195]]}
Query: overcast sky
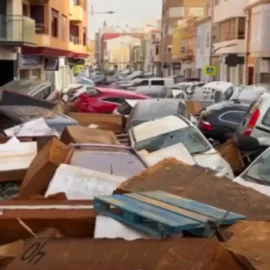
{"points": [[127, 12]]}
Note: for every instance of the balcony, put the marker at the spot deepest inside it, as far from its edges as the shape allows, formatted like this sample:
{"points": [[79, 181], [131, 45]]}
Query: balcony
{"points": [[76, 46], [44, 39], [76, 12], [16, 30]]}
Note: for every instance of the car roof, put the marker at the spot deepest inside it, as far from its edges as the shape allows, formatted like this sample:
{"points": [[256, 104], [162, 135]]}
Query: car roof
{"points": [[24, 87], [151, 108], [119, 92], [27, 113], [218, 85]]}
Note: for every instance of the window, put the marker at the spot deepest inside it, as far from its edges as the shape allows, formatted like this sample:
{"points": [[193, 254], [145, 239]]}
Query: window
{"points": [[190, 137], [64, 28], [54, 23], [43, 94], [259, 171], [84, 36], [143, 83], [232, 117], [266, 118], [241, 28], [228, 93], [124, 109], [176, 12], [196, 11], [115, 100], [158, 82]]}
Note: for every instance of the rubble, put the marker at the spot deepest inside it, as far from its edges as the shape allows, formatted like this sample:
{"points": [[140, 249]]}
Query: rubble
{"points": [[199, 184], [179, 253], [48, 221], [78, 134], [251, 240]]}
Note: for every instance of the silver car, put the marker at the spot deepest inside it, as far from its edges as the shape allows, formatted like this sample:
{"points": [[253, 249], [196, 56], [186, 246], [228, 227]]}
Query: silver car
{"points": [[257, 120]]}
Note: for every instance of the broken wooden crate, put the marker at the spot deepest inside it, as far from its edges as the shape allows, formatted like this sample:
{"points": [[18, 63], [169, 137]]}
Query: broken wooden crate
{"points": [[162, 214]]}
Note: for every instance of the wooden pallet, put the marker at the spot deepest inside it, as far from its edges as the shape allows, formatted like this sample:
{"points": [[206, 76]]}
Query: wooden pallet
{"points": [[161, 214]]}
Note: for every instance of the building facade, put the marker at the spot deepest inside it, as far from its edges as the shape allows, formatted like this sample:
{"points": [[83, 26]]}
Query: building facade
{"points": [[118, 52], [257, 67], [229, 45], [172, 12], [203, 47], [60, 40], [16, 30]]}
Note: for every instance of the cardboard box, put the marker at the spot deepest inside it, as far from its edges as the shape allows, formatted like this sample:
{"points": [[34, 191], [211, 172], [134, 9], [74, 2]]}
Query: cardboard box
{"points": [[79, 134], [114, 123], [43, 167]]}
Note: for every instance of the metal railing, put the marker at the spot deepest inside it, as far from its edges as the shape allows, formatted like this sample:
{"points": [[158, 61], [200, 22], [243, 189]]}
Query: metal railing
{"points": [[16, 28], [42, 29], [74, 39]]}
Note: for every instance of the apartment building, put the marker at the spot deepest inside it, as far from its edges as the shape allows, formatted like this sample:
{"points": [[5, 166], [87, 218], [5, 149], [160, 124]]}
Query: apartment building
{"points": [[172, 12], [203, 47], [229, 34], [16, 30], [258, 42], [60, 39]]}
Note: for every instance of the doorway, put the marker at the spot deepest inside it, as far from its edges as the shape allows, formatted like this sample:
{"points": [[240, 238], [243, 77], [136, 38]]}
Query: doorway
{"points": [[7, 71], [250, 75]]}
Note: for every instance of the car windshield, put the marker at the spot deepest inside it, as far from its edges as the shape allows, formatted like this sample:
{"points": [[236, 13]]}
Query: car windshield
{"points": [[259, 171], [188, 136], [23, 86], [248, 95]]}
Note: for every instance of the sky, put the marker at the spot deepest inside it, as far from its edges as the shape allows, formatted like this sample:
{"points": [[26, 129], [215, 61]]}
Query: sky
{"points": [[134, 13]]}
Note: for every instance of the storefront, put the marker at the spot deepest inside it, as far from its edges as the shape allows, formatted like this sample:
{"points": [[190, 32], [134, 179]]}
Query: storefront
{"points": [[31, 67]]}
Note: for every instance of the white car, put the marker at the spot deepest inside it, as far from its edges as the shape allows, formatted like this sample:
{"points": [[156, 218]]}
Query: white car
{"points": [[257, 175], [164, 132]]}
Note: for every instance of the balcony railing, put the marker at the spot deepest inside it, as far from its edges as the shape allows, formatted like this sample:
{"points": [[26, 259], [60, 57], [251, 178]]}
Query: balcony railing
{"points": [[74, 39], [17, 29], [42, 29]]}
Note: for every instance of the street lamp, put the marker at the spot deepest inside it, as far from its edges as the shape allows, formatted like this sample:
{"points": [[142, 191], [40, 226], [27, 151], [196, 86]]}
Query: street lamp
{"points": [[110, 12]]}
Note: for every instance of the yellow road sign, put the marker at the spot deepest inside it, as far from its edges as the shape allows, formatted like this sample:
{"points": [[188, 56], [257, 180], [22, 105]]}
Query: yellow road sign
{"points": [[210, 70]]}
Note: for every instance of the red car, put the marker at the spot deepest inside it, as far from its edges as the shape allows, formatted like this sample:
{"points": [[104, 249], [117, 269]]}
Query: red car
{"points": [[103, 100]]}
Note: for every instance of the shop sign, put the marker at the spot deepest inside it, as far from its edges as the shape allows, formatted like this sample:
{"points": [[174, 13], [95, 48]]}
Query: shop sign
{"points": [[30, 60], [51, 64]]}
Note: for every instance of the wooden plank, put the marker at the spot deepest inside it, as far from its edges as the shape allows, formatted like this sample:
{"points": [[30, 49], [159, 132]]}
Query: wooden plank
{"points": [[171, 208], [194, 206], [150, 212]]}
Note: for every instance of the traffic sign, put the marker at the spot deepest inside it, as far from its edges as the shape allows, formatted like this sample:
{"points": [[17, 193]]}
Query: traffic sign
{"points": [[210, 70]]}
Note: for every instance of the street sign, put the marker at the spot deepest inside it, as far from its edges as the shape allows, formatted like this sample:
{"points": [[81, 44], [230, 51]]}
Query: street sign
{"points": [[210, 70]]}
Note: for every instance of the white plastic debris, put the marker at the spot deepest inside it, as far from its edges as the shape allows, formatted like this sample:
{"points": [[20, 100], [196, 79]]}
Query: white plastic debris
{"points": [[82, 184], [93, 126], [16, 155], [37, 127], [107, 227]]}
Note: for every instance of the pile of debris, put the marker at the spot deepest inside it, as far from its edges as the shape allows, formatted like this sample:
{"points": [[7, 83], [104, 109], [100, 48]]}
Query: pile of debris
{"points": [[85, 201]]}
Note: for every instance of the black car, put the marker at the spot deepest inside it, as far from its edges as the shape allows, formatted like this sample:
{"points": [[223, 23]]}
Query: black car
{"points": [[221, 120], [149, 109]]}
